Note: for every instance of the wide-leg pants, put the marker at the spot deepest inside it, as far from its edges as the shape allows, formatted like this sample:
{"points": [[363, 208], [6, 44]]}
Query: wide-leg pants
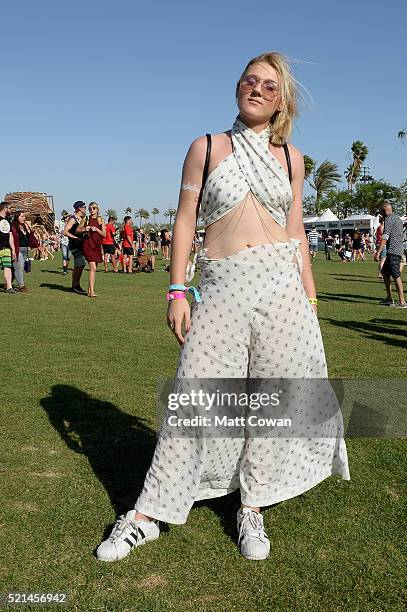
{"points": [[254, 320]]}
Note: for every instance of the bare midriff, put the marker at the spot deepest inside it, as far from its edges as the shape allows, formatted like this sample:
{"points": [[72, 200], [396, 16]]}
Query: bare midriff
{"points": [[249, 224]]}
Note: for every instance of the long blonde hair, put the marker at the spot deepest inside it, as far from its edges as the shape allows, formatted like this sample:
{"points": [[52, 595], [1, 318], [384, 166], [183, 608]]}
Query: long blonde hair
{"points": [[281, 123]]}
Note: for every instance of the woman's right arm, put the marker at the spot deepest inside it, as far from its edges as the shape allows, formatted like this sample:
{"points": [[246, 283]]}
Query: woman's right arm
{"points": [[183, 232], [185, 220]]}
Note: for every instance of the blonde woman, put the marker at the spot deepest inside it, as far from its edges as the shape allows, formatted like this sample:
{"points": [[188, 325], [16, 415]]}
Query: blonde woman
{"points": [[92, 245], [255, 318]]}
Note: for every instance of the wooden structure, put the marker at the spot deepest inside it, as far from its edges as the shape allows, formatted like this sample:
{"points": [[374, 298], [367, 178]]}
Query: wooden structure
{"points": [[39, 207]]}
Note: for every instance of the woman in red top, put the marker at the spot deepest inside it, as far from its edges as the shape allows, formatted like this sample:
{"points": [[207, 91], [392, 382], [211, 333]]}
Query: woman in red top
{"points": [[128, 240], [108, 244], [92, 246]]}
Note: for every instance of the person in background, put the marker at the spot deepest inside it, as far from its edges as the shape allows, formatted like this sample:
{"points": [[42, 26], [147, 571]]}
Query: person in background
{"points": [[92, 245], [75, 230], [363, 245], [153, 241], [36, 231], [392, 239], [378, 241], [357, 247], [141, 239], [167, 236], [117, 252], [347, 241], [368, 243], [66, 254], [313, 241], [7, 250], [23, 240], [165, 244], [127, 245], [46, 245], [108, 244], [329, 241], [404, 256], [144, 263]]}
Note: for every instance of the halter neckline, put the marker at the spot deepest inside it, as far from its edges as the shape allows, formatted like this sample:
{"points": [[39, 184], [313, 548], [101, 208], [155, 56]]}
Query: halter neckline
{"points": [[264, 135]]}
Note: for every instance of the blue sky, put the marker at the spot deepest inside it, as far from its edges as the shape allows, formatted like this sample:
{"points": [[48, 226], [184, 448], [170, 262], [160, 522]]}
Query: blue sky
{"points": [[101, 99]]}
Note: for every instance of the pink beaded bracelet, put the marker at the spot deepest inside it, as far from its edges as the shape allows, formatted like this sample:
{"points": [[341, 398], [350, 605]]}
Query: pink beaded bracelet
{"points": [[175, 295]]}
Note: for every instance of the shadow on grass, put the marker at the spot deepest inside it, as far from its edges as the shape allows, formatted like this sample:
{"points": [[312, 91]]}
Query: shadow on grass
{"points": [[347, 297], [357, 279], [225, 508], [56, 287], [350, 276], [376, 329], [118, 446]]}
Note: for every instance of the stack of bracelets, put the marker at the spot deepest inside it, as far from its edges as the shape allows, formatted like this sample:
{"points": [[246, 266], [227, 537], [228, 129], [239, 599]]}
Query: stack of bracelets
{"points": [[178, 292]]}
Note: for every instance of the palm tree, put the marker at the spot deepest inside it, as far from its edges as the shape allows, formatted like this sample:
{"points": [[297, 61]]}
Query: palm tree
{"points": [[155, 212], [309, 166], [64, 213], [111, 213], [171, 212], [323, 180], [128, 210], [142, 213], [360, 152], [402, 134]]}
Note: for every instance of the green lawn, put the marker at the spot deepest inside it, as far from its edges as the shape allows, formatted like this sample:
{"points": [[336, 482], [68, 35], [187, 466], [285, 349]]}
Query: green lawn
{"points": [[77, 425]]}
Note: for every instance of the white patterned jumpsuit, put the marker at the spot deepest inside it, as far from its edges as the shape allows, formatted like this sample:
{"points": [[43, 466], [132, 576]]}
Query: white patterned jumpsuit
{"points": [[254, 321]]}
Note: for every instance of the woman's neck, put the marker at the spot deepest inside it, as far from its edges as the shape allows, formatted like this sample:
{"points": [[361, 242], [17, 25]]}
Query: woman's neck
{"points": [[254, 124]]}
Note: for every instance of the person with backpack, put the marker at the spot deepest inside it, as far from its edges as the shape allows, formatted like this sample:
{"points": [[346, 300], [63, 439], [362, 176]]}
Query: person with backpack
{"points": [[76, 230]]}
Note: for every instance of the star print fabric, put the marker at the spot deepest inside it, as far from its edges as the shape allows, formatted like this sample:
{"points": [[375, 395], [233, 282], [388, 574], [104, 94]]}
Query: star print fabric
{"points": [[254, 321], [251, 167]]}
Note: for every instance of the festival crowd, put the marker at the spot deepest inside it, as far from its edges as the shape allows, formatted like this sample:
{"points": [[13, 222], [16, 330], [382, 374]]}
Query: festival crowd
{"points": [[86, 238]]}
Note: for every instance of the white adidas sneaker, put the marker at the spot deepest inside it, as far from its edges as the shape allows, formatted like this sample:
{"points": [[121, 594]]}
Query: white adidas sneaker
{"points": [[126, 535], [253, 541]]}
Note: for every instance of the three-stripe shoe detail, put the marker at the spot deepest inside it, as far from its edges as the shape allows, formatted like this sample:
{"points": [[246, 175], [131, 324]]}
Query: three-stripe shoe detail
{"points": [[127, 534], [133, 538]]}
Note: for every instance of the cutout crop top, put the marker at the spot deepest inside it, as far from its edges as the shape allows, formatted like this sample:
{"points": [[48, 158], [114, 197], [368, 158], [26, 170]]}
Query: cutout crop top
{"points": [[250, 167]]}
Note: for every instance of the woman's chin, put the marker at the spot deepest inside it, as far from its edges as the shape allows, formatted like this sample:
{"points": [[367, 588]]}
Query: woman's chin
{"points": [[254, 113]]}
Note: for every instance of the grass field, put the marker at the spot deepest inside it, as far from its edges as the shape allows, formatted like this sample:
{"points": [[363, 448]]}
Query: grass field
{"points": [[77, 426]]}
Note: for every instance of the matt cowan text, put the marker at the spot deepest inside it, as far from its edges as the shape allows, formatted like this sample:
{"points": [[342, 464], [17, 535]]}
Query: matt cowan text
{"points": [[223, 421]]}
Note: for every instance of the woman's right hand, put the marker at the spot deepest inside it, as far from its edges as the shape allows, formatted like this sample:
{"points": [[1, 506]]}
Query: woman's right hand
{"points": [[178, 312]]}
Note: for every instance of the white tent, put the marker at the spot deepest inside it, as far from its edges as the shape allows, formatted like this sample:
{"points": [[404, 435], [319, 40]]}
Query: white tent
{"points": [[363, 222], [328, 215], [327, 221]]}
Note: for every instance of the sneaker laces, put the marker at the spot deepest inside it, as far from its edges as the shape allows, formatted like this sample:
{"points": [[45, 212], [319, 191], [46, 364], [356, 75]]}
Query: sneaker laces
{"points": [[255, 521], [122, 528]]}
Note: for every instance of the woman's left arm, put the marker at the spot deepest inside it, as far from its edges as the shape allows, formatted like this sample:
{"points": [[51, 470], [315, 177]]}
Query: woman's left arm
{"points": [[295, 225]]}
